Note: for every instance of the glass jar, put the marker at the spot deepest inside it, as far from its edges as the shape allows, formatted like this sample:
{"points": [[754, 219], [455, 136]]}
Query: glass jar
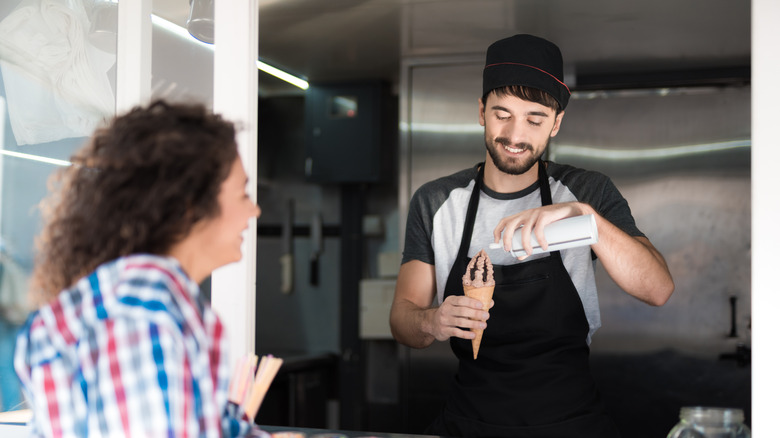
{"points": [[701, 422]]}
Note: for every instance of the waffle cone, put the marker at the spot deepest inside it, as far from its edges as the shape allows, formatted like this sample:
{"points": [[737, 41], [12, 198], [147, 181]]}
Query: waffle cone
{"points": [[483, 294]]}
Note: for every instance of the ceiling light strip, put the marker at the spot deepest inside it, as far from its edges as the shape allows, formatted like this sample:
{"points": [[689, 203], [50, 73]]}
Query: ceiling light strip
{"points": [[273, 71], [38, 158], [558, 151]]}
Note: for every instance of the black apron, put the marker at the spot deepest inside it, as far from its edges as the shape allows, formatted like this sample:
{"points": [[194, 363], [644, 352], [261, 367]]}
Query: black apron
{"points": [[532, 376]]}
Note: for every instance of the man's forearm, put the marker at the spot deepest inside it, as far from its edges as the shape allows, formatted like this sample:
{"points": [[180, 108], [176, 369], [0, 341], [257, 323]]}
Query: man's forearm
{"points": [[634, 264], [410, 324]]}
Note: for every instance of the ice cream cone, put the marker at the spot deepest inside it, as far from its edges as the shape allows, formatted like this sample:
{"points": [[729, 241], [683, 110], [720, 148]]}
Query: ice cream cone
{"points": [[483, 294]]}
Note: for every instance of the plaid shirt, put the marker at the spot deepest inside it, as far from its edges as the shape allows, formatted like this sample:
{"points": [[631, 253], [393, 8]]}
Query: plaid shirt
{"points": [[130, 350]]}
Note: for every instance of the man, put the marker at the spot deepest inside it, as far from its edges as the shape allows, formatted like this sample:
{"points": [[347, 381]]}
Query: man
{"points": [[531, 377]]}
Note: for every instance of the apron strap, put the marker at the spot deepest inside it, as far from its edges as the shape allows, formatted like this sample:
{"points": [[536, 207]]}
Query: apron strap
{"points": [[544, 184], [544, 189], [471, 212]]}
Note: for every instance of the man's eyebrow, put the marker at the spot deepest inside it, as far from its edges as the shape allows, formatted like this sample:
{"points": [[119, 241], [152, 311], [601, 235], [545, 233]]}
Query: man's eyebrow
{"points": [[529, 113]]}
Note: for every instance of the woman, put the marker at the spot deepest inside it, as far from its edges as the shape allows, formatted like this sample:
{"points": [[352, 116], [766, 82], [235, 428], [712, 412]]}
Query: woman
{"points": [[123, 344]]}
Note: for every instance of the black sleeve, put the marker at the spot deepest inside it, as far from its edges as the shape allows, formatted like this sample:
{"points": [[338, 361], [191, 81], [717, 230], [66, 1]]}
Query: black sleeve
{"points": [[419, 229], [614, 208], [598, 190]]}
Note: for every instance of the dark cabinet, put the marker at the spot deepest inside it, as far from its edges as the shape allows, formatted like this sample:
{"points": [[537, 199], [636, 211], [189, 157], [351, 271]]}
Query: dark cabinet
{"points": [[350, 132]]}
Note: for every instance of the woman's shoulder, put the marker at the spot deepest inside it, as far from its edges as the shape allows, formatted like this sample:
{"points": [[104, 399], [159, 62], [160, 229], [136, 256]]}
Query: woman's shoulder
{"points": [[149, 286], [150, 271], [142, 288]]}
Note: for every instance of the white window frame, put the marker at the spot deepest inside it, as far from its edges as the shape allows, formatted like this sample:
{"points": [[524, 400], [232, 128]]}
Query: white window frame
{"points": [[233, 287], [765, 217]]}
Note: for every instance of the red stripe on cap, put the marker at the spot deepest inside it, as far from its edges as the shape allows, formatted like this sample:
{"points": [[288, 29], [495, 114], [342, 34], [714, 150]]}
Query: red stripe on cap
{"points": [[531, 66]]}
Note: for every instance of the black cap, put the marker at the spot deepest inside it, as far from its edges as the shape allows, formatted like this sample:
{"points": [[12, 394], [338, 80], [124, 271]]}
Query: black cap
{"points": [[526, 60]]}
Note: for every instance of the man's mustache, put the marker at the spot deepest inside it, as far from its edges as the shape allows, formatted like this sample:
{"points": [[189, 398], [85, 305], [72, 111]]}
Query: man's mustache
{"points": [[505, 142]]}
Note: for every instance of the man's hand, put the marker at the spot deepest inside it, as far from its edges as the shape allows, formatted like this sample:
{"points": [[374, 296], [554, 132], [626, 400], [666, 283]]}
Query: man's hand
{"points": [[455, 314], [415, 322], [534, 220]]}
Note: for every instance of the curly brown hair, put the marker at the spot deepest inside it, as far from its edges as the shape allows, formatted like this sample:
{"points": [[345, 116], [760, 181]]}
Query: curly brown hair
{"points": [[138, 186]]}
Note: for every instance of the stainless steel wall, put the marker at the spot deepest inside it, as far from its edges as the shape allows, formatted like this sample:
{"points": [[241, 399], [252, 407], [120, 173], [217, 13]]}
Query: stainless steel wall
{"points": [[681, 157]]}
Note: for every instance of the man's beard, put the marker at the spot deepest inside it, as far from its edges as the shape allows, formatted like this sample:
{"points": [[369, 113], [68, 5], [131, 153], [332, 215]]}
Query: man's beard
{"points": [[513, 166]]}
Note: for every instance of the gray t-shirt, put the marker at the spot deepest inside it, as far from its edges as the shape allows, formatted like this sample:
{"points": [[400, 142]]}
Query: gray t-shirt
{"points": [[437, 213]]}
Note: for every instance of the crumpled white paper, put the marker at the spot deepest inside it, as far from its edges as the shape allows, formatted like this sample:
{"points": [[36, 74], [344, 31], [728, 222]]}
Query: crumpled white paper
{"points": [[56, 82]]}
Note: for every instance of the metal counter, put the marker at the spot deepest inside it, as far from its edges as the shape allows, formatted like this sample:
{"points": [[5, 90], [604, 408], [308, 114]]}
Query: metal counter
{"points": [[288, 432]]}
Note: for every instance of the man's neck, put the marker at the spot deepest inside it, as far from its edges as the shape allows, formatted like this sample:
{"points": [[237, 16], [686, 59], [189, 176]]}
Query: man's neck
{"points": [[501, 182]]}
